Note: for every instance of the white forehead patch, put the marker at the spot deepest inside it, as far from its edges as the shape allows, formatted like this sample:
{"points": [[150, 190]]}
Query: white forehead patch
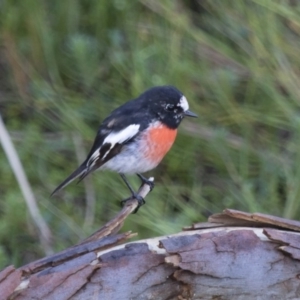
{"points": [[183, 103]]}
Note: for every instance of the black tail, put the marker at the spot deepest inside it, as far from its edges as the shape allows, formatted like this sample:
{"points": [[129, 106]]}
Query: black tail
{"points": [[81, 171]]}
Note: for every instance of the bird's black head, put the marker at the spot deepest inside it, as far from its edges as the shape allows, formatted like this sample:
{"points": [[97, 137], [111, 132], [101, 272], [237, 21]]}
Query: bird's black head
{"points": [[167, 104]]}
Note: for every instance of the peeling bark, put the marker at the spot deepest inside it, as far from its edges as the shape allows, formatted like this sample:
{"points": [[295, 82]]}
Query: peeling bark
{"points": [[233, 256]]}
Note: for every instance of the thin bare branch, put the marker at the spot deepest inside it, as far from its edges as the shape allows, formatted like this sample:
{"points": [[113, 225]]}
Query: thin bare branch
{"points": [[114, 225], [15, 163]]}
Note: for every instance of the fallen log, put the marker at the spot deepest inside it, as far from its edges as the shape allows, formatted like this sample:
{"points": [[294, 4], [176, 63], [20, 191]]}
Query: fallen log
{"points": [[235, 255]]}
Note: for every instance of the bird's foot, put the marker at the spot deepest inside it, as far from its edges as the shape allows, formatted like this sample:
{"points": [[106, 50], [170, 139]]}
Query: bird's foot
{"points": [[145, 180], [140, 200]]}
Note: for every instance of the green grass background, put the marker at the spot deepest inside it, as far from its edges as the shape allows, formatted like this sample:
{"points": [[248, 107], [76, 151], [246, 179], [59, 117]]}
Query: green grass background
{"points": [[64, 65]]}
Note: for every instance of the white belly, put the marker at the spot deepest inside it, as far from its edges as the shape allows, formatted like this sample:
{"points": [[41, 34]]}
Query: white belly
{"points": [[130, 160]]}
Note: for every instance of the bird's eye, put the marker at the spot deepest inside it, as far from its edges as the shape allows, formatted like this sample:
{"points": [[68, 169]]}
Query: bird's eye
{"points": [[169, 107]]}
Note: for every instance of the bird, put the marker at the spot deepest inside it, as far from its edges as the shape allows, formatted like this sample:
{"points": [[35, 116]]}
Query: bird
{"points": [[136, 136]]}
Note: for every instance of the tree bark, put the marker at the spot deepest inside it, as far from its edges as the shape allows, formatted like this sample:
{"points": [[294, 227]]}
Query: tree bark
{"points": [[235, 255]]}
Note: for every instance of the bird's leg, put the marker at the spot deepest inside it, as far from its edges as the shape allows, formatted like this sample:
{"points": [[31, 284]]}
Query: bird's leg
{"points": [[135, 195], [145, 180], [127, 184]]}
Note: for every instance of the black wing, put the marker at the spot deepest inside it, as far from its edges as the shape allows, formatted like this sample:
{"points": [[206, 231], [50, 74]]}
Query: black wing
{"points": [[129, 116]]}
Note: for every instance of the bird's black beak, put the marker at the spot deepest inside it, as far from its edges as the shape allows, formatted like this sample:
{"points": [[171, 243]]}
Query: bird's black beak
{"points": [[189, 113]]}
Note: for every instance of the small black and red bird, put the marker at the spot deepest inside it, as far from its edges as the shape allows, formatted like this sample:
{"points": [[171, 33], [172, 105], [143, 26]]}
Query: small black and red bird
{"points": [[136, 136]]}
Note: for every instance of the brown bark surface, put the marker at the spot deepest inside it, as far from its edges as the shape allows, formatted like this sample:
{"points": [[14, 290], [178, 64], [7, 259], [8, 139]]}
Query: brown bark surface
{"points": [[235, 255]]}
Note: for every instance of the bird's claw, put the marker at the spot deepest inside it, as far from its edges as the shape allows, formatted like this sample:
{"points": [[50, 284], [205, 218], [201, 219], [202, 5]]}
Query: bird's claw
{"points": [[150, 183], [139, 198], [145, 180]]}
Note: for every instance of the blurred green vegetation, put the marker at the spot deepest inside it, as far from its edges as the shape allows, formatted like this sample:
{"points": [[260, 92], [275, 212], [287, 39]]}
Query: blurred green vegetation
{"points": [[64, 65]]}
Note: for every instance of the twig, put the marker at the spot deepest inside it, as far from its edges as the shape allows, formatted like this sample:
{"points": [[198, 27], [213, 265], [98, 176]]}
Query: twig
{"points": [[45, 235], [114, 225]]}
